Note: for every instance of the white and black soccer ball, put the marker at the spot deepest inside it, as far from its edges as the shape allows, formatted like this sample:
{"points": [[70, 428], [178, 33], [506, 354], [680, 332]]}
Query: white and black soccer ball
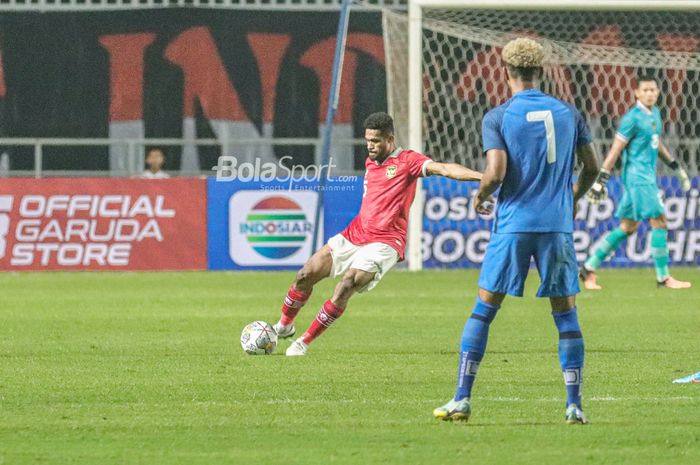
{"points": [[258, 338]]}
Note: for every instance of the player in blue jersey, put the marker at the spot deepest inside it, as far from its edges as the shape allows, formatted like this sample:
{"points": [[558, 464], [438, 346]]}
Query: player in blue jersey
{"points": [[530, 142], [639, 136]]}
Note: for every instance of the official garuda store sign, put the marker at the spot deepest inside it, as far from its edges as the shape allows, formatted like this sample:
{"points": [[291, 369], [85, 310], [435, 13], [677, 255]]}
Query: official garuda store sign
{"points": [[110, 224]]}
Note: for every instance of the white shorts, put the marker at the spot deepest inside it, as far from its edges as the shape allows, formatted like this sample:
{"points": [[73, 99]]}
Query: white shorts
{"points": [[374, 257]]}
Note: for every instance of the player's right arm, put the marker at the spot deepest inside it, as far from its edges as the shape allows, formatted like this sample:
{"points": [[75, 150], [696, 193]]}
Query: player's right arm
{"points": [[496, 160], [491, 180], [614, 153], [587, 156], [624, 133], [598, 191]]}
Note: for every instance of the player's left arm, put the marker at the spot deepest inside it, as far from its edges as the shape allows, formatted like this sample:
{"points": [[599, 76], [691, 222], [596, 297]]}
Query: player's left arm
{"points": [[491, 180], [675, 165], [452, 170]]}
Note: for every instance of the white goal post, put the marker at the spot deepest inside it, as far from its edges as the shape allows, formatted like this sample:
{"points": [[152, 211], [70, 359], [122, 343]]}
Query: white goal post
{"points": [[415, 62]]}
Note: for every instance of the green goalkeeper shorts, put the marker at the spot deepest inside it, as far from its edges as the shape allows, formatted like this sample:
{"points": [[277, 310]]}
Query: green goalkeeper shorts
{"points": [[640, 203]]}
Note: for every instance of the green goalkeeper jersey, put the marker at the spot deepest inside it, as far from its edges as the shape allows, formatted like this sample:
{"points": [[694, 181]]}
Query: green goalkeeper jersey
{"points": [[641, 129]]}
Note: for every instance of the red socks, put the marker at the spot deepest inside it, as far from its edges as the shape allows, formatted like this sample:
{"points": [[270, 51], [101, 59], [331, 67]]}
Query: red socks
{"points": [[296, 299], [326, 316], [293, 302]]}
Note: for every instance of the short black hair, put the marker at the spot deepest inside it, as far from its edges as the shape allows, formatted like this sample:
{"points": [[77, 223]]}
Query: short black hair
{"points": [[155, 147], [527, 74], [381, 122], [646, 77]]}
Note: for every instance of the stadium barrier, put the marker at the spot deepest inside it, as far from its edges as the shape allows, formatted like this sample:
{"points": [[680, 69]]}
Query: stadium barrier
{"points": [[172, 224], [454, 236], [269, 225], [103, 224], [198, 224]]}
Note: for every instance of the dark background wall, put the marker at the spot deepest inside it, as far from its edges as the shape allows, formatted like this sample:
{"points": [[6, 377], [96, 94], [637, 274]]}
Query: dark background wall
{"points": [[56, 78]]}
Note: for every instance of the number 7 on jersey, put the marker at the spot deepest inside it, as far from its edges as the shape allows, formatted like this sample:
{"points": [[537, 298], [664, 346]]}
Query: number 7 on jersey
{"points": [[546, 117]]}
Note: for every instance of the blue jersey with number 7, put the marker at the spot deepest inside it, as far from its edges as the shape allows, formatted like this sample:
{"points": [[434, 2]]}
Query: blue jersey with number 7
{"points": [[540, 134]]}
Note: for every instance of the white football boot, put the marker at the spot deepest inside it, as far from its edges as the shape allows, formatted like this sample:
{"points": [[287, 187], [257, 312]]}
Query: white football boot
{"points": [[283, 332], [575, 416], [454, 410], [297, 348]]}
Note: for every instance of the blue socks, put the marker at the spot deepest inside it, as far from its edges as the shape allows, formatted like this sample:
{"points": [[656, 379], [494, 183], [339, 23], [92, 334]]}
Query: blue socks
{"points": [[570, 353], [474, 338]]}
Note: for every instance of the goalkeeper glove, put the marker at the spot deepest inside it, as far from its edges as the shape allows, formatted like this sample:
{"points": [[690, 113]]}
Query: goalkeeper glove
{"points": [[598, 192], [680, 174]]}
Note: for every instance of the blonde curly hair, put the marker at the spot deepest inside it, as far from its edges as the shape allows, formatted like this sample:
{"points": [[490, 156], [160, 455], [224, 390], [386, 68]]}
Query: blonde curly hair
{"points": [[523, 53]]}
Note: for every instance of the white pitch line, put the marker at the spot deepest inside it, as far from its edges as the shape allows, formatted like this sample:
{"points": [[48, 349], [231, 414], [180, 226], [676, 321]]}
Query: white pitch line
{"points": [[488, 399], [648, 399]]}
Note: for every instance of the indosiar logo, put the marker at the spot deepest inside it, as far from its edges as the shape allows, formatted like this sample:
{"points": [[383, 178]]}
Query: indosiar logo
{"points": [[276, 227], [271, 229]]}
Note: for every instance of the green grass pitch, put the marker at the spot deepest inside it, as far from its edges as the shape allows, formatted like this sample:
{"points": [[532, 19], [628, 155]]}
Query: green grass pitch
{"points": [[146, 368]]}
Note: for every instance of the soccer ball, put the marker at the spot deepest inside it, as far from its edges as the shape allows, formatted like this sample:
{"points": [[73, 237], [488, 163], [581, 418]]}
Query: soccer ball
{"points": [[258, 338]]}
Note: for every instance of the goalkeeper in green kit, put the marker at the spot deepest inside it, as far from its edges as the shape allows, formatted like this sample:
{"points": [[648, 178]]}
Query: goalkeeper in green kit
{"points": [[639, 137]]}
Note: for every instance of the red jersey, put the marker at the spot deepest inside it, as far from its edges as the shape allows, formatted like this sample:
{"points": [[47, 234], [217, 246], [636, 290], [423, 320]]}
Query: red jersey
{"points": [[389, 191]]}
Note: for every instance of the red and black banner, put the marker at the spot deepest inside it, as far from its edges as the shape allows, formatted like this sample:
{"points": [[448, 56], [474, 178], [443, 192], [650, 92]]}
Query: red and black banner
{"points": [[183, 73]]}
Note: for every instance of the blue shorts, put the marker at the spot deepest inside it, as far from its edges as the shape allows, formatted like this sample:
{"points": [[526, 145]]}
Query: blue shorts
{"points": [[507, 263]]}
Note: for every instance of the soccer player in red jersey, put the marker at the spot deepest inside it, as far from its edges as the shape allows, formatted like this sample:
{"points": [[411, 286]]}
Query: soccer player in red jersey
{"points": [[375, 239]]}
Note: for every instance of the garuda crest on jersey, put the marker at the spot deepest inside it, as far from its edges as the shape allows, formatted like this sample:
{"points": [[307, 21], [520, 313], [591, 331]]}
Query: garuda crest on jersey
{"points": [[390, 171]]}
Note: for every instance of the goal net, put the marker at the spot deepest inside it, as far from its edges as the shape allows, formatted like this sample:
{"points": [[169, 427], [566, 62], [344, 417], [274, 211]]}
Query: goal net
{"points": [[593, 58]]}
